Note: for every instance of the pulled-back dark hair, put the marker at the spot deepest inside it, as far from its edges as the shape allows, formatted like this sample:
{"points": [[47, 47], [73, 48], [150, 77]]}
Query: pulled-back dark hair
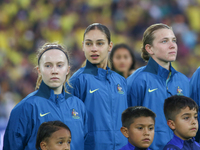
{"points": [[131, 113], [174, 104], [46, 129], [100, 27]]}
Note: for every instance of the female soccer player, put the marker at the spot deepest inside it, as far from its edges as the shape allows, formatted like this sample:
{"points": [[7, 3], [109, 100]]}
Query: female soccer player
{"points": [[102, 90], [48, 103], [149, 86]]}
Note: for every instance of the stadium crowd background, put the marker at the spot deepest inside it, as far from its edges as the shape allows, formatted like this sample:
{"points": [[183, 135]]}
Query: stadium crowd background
{"points": [[25, 25]]}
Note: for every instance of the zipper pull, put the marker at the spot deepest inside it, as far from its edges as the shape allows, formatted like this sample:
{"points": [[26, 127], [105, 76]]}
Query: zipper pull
{"points": [[56, 99]]}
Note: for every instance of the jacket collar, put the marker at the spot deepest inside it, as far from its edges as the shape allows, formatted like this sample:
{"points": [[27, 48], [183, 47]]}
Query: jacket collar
{"points": [[180, 143], [131, 147], [94, 70], [155, 68], [46, 92]]}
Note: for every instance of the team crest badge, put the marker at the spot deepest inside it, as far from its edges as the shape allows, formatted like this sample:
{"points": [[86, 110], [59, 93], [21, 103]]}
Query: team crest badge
{"points": [[119, 89], [75, 114], [179, 91]]}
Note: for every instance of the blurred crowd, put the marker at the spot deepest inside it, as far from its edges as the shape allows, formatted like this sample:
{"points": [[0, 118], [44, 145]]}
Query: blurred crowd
{"points": [[25, 25]]}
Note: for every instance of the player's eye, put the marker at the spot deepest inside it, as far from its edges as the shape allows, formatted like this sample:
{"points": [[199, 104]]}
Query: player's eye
{"points": [[47, 66], [151, 128], [88, 43], [68, 142], [100, 43], [61, 142], [174, 40], [60, 65], [164, 41]]}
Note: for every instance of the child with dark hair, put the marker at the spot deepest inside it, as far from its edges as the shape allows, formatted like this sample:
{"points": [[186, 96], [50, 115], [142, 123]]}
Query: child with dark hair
{"points": [[138, 126], [181, 115], [53, 135]]}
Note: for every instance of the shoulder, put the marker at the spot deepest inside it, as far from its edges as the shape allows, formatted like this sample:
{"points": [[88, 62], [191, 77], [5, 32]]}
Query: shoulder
{"points": [[75, 79], [77, 73], [196, 73], [28, 100], [25, 108], [178, 75], [139, 73], [139, 77], [197, 144], [181, 76]]}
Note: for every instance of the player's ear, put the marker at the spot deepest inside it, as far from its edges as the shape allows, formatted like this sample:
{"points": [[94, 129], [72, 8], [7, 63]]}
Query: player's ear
{"points": [[110, 46], [83, 46], [43, 145], [171, 124], [38, 70], [124, 131], [149, 49]]}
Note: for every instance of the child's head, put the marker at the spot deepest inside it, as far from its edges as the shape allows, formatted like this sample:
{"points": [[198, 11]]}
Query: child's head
{"points": [[181, 115], [53, 135], [138, 126]]}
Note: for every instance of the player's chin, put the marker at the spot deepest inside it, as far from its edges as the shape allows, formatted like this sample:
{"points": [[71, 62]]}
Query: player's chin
{"points": [[122, 69], [144, 146], [193, 134], [172, 59], [55, 85], [94, 61]]}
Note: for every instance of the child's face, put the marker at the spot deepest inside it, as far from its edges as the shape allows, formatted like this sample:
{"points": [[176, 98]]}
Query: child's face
{"points": [[186, 124], [141, 132], [59, 140]]}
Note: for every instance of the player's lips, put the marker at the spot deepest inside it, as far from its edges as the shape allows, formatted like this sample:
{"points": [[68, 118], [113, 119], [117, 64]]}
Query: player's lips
{"points": [[94, 56], [54, 78], [122, 66], [193, 129], [173, 52], [146, 140]]}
